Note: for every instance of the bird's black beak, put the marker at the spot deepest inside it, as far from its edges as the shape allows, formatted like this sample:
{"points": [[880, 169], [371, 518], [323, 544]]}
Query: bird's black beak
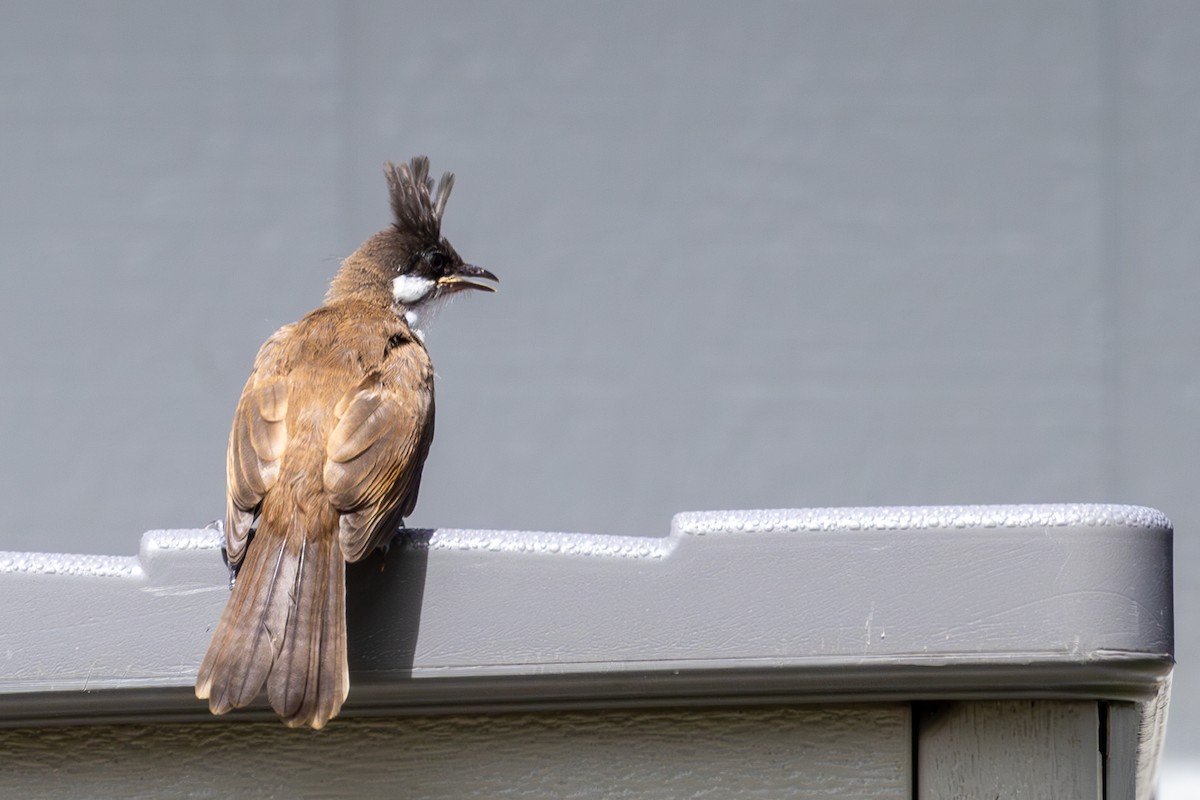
{"points": [[468, 276]]}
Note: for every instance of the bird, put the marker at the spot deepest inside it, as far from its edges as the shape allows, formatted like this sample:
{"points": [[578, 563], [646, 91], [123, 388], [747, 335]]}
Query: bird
{"points": [[325, 456]]}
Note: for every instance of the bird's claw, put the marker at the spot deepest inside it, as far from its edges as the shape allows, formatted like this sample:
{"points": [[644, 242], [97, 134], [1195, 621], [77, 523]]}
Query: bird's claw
{"points": [[219, 526], [233, 568], [400, 533]]}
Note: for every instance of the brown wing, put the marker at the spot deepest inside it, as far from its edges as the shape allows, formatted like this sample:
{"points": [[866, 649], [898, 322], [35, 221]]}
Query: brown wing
{"points": [[375, 452], [256, 444]]}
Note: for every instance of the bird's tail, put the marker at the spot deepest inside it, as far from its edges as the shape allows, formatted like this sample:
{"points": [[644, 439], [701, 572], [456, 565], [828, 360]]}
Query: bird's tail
{"points": [[285, 626]]}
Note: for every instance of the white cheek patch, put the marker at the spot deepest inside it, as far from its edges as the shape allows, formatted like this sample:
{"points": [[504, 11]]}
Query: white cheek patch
{"points": [[410, 289]]}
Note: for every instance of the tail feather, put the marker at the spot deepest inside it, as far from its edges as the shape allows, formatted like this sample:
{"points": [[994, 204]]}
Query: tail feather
{"points": [[309, 680], [284, 626]]}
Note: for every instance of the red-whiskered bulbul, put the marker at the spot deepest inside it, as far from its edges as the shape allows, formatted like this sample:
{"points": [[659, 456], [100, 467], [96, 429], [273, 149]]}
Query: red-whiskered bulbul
{"points": [[328, 442]]}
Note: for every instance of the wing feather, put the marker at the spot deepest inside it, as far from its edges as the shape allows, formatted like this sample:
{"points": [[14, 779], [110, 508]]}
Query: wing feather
{"points": [[376, 451], [365, 420], [256, 443]]}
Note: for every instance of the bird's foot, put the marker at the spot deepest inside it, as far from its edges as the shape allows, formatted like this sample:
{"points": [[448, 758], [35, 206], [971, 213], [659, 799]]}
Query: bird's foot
{"points": [[233, 568], [219, 526], [400, 533]]}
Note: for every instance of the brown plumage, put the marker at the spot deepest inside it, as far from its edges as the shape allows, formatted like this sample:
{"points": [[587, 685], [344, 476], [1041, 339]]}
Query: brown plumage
{"points": [[328, 442]]}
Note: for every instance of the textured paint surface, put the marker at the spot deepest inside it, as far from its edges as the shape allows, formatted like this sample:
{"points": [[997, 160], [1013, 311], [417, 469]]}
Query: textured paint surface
{"points": [[1063, 599], [850, 752], [1032, 601], [1009, 751]]}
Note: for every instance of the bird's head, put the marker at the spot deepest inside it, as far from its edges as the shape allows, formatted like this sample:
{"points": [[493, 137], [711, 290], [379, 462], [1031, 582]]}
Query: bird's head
{"points": [[410, 263]]}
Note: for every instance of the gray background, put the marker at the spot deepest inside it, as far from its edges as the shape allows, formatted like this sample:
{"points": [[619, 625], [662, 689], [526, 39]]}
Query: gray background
{"points": [[758, 256]]}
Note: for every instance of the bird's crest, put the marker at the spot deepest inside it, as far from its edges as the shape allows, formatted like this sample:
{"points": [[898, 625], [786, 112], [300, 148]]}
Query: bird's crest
{"points": [[418, 208]]}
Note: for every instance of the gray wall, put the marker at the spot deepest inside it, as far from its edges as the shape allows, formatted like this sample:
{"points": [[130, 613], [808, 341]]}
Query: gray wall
{"points": [[773, 255]]}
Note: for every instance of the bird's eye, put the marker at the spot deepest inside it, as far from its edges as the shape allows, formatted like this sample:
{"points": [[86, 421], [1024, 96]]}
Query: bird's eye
{"points": [[437, 260]]}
